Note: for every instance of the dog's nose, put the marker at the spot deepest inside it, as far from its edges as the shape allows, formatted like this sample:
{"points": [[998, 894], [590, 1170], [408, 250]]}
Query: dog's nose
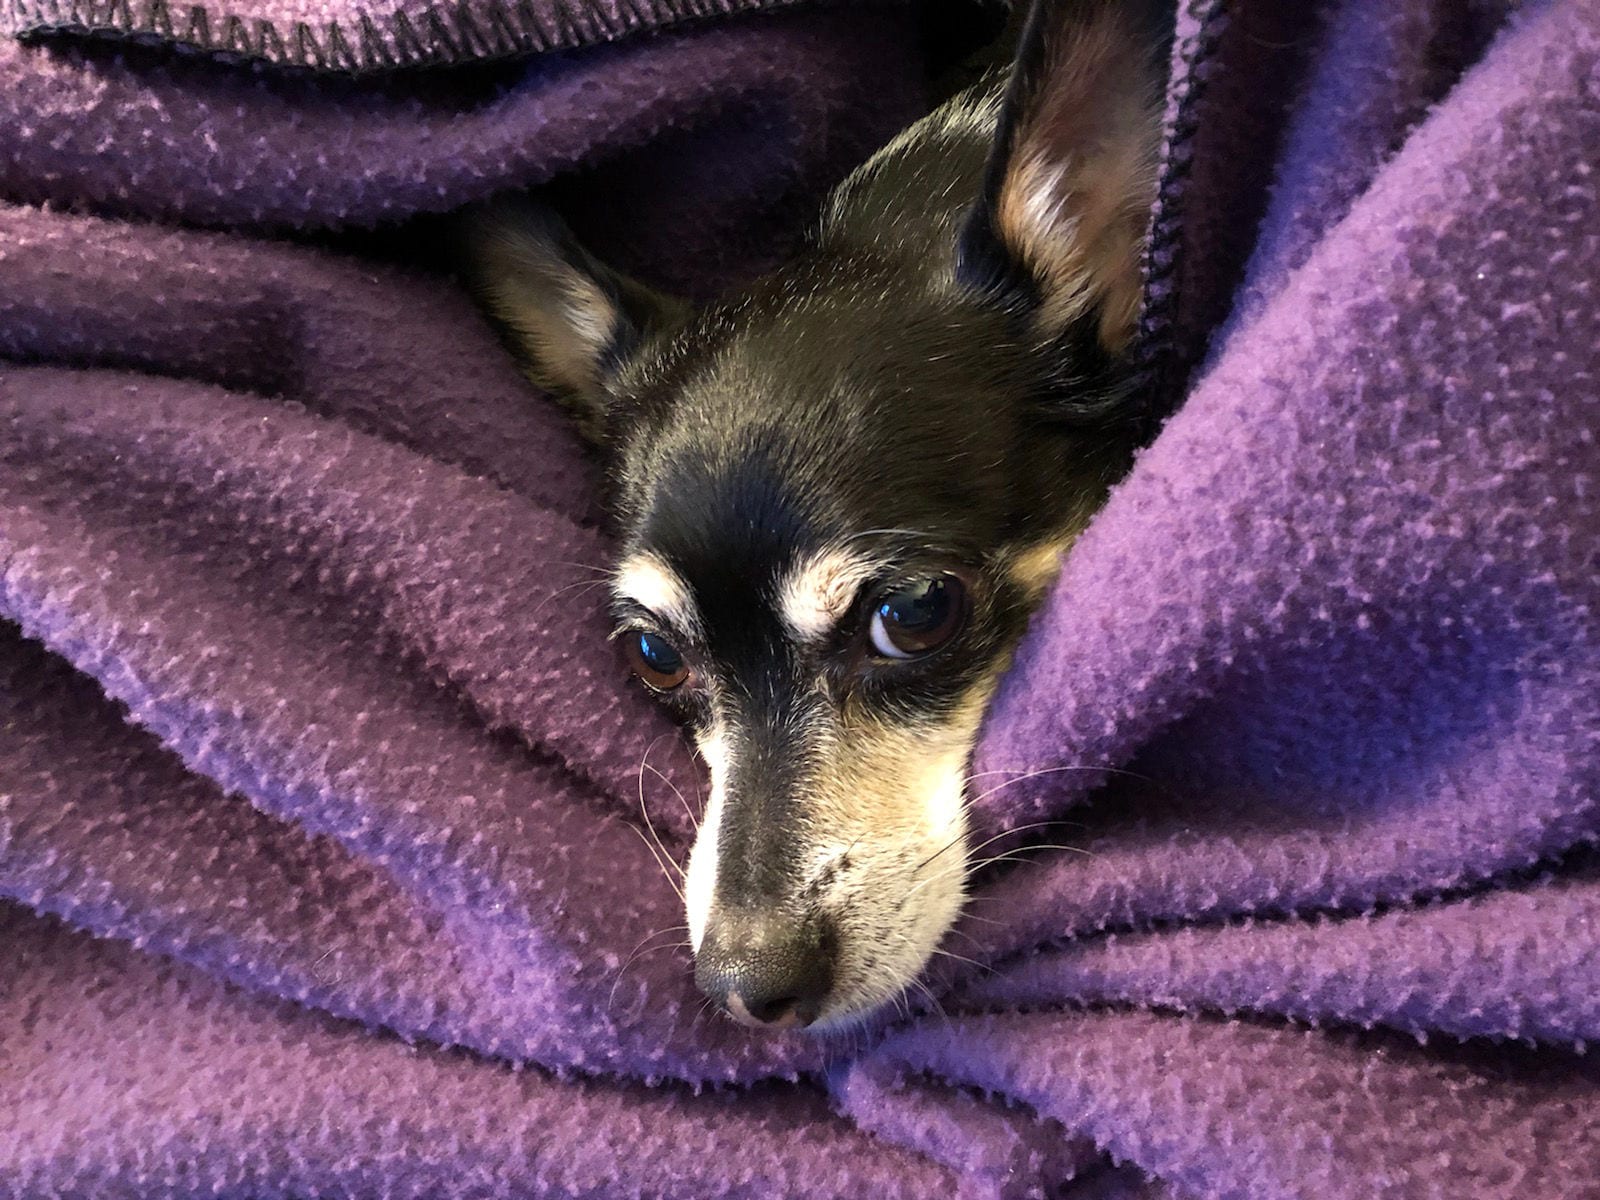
{"points": [[769, 970]]}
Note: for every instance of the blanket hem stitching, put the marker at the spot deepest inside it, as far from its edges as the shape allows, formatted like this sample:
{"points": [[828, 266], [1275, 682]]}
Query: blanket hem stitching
{"points": [[447, 33]]}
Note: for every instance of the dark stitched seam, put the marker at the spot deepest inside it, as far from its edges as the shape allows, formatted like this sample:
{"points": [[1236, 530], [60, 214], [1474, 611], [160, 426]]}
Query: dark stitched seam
{"points": [[1160, 375], [450, 34]]}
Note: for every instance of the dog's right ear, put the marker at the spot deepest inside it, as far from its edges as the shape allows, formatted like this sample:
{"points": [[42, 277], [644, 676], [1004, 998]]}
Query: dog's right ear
{"points": [[571, 320], [1072, 175]]}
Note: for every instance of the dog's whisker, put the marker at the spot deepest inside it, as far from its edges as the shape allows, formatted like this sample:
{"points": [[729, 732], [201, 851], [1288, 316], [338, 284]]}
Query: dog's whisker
{"points": [[660, 862], [962, 933], [939, 851], [973, 849], [972, 916], [982, 966], [921, 535], [956, 872], [693, 821], [581, 588], [644, 809], [1000, 787], [972, 868], [700, 1013], [933, 1000], [650, 938], [600, 572], [1020, 854], [639, 951], [1029, 771]]}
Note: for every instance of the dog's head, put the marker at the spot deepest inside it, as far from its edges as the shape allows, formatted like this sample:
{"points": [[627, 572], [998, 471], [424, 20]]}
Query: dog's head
{"points": [[840, 494]]}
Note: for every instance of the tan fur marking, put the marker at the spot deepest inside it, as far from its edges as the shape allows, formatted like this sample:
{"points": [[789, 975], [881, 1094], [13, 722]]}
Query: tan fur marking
{"points": [[820, 590], [650, 583], [1036, 568]]}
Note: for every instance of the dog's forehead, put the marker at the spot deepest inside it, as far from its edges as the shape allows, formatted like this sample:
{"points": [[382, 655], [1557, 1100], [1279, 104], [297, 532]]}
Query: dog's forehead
{"points": [[733, 549], [718, 530], [809, 595]]}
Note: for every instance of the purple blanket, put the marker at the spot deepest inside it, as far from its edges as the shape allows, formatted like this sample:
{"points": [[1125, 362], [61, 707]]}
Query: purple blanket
{"points": [[324, 867]]}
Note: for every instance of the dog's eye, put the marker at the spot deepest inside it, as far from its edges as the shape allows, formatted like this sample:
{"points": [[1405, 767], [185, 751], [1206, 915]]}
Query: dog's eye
{"points": [[918, 617], [654, 660]]}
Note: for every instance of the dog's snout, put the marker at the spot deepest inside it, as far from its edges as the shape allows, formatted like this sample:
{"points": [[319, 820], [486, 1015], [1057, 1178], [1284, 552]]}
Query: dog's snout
{"points": [[770, 970]]}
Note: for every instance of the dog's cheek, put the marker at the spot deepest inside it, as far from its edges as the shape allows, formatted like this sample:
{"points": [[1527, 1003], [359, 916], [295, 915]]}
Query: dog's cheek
{"points": [[944, 806], [922, 861], [902, 828], [937, 881]]}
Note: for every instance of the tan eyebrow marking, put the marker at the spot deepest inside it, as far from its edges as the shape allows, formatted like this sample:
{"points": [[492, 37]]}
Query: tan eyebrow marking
{"points": [[1034, 568], [650, 583], [817, 593]]}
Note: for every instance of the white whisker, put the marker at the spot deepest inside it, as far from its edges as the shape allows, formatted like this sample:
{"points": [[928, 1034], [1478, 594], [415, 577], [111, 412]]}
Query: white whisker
{"points": [[664, 858], [693, 821], [982, 966], [639, 951], [581, 588]]}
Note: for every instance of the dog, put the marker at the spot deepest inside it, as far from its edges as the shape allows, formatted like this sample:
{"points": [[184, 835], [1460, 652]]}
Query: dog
{"points": [[840, 494]]}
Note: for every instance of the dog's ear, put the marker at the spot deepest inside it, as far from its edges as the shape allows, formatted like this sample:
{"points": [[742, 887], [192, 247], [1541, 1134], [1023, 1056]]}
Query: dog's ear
{"points": [[1071, 177], [571, 320]]}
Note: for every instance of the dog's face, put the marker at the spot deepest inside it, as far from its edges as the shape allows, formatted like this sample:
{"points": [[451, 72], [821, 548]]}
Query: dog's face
{"points": [[840, 495], [828, 556]]}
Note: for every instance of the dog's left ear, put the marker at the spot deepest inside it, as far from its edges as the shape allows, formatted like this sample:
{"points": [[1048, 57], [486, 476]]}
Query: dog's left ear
{"points": [[1071, 178], [571, 320]]}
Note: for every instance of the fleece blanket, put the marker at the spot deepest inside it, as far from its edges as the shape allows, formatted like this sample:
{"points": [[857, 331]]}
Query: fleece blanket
{"points": [[335, 849]]}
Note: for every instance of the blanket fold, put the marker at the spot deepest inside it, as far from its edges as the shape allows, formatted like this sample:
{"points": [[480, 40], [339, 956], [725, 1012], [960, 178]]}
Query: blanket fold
{"points": [[337, 855], [369, 39]]}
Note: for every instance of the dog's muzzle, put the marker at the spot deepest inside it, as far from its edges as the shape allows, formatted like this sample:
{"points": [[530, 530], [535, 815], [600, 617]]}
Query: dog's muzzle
{"points": [[770, 970]]}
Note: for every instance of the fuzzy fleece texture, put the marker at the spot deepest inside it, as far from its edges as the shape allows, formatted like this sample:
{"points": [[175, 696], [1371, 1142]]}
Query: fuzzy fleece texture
{"points": [[321, 843]]}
